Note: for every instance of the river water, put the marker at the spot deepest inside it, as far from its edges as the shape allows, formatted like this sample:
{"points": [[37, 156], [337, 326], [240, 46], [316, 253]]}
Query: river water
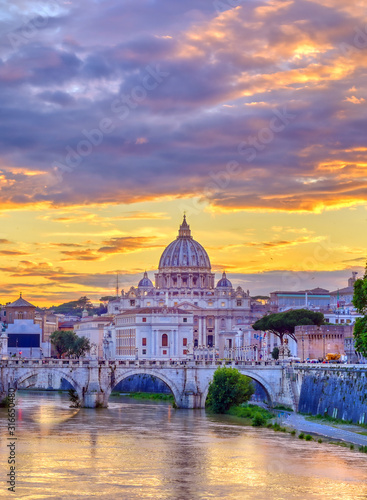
{"points": [[148, 450]]}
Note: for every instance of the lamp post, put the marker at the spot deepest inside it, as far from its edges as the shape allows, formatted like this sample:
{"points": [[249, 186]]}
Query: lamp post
{"points": [[303, 349]]}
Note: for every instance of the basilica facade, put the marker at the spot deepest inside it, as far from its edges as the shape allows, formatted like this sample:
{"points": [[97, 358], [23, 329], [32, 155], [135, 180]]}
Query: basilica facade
{"points": [[185, 282]]}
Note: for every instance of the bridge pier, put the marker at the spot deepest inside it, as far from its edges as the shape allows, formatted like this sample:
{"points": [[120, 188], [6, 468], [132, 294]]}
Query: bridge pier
{"points": [[93, 396], [94, 399], [191, 400], [191, 396], [3, 395]]}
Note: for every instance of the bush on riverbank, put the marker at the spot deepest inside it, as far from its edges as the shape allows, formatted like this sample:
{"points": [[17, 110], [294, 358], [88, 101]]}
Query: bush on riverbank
{"points": [[257, 415], [4, 403], [228, 388]]}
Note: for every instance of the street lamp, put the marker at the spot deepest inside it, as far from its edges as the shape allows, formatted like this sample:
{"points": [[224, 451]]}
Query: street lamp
{"points": [[303, 349]]}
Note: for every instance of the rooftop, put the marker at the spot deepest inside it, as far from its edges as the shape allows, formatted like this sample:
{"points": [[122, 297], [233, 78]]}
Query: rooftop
{"points": [[21, 303], [155, 310]]}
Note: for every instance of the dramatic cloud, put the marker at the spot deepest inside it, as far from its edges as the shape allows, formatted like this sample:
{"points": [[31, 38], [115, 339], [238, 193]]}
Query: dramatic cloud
{"points": [[98, 109], [115, 113]]}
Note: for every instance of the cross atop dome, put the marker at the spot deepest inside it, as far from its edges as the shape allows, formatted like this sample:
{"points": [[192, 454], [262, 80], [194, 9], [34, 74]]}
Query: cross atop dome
{"points": [[184, 231]]}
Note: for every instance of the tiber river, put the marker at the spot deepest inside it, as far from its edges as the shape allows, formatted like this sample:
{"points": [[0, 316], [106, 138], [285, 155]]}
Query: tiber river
{"points": [[148, 450]]}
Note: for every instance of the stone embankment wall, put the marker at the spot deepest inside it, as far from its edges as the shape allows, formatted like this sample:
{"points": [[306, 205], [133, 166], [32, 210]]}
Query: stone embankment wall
{"points": [[340, 392]]}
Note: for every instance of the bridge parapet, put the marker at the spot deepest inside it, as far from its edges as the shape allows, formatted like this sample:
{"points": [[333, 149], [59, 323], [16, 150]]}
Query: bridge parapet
{"points": [[131, 363]]}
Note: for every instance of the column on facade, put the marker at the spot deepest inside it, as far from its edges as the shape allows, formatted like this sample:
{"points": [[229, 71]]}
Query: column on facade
{"points": [[155, 342], [216, 331], [200, 329]]}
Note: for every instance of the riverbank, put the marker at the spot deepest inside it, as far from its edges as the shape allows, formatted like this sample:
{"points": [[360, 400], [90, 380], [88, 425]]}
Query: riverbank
{"points": [[336, 432], [146, 395]]}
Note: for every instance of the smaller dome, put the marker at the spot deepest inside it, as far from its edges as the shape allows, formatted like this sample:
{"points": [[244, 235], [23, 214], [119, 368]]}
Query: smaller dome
{"points": [[224, 282], [145, 282]]}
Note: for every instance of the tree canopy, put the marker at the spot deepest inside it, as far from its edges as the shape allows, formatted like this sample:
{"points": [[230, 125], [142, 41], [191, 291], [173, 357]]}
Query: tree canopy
{"points": [[68, 343], [228, 388], [76, 307], [284, 323], [360, 303]]}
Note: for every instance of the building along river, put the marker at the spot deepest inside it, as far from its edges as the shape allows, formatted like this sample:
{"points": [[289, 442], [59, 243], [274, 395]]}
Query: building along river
{"points": [[148, 450]]}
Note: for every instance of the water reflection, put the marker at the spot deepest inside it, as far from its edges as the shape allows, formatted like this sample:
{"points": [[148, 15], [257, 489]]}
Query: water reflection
{"points": [[139, 449]]}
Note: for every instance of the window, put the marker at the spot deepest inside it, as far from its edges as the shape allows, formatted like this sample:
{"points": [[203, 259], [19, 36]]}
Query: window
{"points": [[184, 342], [144, 351], [144, 320], [223, 304], [184, 320], [164, 352], [144, 341], [164, 340], [148, 303], [239, 303], [185, 351], [132, 302]]}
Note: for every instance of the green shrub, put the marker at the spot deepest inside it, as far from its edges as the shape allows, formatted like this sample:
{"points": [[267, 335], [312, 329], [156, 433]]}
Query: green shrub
{"points": [[258, 420], [308, 437], [319, 440], [4, 403], [301, 436], [293, 432], [228, 388]]}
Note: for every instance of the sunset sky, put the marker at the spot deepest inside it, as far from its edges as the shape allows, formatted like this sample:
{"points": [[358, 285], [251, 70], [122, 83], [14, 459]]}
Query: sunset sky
{"points": [[117, 116]]}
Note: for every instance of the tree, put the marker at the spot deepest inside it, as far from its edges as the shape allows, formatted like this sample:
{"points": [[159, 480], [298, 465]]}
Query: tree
{"points": [[107, 298], [228, 388], [81, 346], [275, 353], [63, 341], [284, 323], [75, 307], [360, 303], [68, 343]]}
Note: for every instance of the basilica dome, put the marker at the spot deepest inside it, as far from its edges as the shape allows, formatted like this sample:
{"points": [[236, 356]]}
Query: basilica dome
{"points": [[145, 282], [184, 252], [224, 282]]}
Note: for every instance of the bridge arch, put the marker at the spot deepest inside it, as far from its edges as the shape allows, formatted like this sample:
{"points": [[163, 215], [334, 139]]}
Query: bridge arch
{"points": [[31, 372], [154, 373], [250, 374]]}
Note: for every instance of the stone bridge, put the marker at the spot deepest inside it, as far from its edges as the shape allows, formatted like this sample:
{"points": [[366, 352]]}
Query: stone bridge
{"points": [[94, 380]]}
